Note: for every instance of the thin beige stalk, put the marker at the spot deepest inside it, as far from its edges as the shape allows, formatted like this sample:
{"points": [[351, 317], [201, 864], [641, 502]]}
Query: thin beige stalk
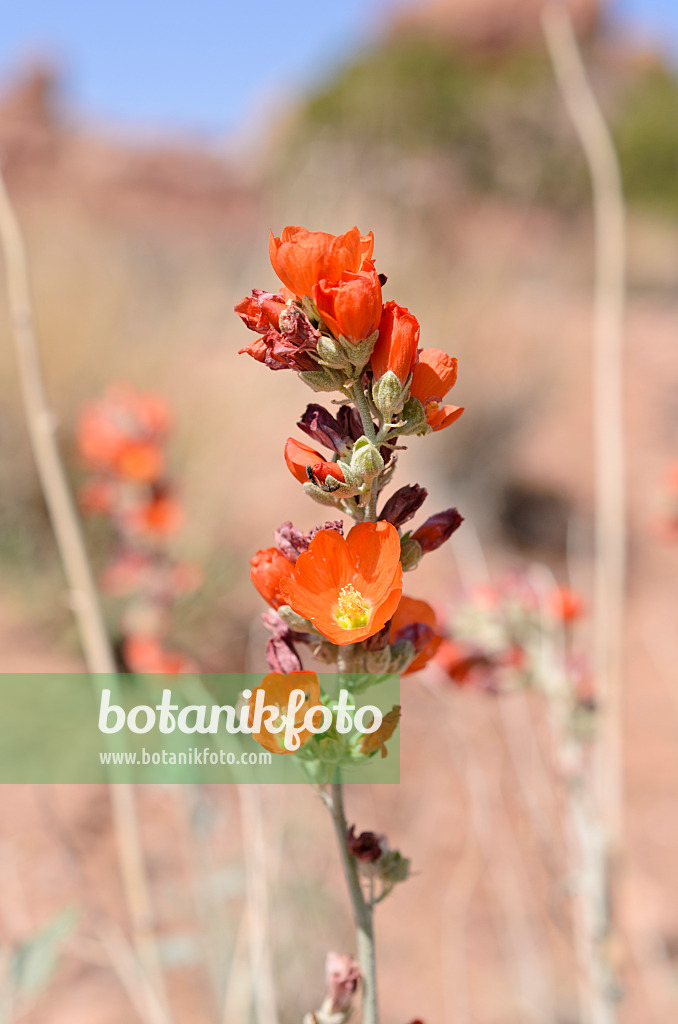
{"points": [[610, 514], [258, 916], [82, 590]]}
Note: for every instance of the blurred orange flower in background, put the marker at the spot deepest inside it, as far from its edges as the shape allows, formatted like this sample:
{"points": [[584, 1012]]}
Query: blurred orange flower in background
{"points": [[434, 374], [301, 258], [121, 434], [348, 587]]}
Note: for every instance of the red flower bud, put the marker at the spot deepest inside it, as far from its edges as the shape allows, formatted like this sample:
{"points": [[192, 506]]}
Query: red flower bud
{"points": [[437, 529], [396, 347], [269, 567]]}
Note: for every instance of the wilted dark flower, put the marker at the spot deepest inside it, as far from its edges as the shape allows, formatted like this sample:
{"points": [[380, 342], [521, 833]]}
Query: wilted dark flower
{"points": [[437, 529], [281, 655], [290, 541], [368, 846], [402, 505], [321, 425]]}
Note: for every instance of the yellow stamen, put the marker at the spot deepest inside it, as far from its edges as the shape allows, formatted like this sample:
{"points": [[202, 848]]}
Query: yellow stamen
{"points": [[352, 611], [431, 406]]}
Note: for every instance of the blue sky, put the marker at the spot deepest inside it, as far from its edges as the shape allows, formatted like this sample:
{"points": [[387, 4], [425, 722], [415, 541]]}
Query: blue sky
{"points": [[205, 65]]}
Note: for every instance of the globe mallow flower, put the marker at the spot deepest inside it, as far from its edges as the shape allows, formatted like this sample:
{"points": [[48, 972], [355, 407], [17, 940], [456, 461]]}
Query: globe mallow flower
{"points": [[348, 587], [351, 304], [416, 621], [269, 567], [301, 458], [302, 258], [434, 374], [277, 689]]}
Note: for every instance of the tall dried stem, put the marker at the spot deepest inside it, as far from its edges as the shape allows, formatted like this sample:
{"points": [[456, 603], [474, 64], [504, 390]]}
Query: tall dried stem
{"points": [[82, 590], [610, 517]]}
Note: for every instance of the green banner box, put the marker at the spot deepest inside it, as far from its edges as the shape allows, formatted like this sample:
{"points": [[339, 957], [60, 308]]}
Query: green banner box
{"points": [[82, 728]]}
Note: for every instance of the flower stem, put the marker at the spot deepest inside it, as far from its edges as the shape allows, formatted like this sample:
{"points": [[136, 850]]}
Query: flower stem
{"points": [[360, 401], [362, 911]]}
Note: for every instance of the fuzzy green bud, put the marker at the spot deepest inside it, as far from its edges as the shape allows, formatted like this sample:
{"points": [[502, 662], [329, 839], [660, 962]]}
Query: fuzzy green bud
{"points": [[366, 459], [378, 661], [414, 418], [331, 353], [388, 394], [358, 355], [295, 621], [410, 553], [393, 867], [402, 654], [321, 380]]}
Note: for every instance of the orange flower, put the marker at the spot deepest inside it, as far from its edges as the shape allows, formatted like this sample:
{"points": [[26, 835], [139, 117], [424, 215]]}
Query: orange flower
{"points": [[277, 689], [160, 516], [301, 258], [141, 461], [351, 304], [269, 567], [396, 347], [300, 456], [121, 434], [411, 612], [565, 605], [372, 741], [145, 654], [348, 587], [432, 377]]}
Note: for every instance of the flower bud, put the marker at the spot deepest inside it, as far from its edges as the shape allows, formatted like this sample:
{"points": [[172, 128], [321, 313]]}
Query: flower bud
{"points": [[359, 355], [296, 622], [388, 394], [394, 868], [437, 529], [268, 568], [321, 380], [366, 459], [402, 654], [320, 495], [324, 652], [410, 553], [413, 417], [378, 661], [331, 353]]}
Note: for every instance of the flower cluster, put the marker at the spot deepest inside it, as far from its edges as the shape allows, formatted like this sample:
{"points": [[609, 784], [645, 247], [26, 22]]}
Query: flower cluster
{"points": [[327, 590], [121, 440], [497, 641]]}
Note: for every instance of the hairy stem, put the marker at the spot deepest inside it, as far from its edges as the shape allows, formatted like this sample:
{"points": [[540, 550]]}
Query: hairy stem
{"points": [[362, 911], [361, 404]]}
